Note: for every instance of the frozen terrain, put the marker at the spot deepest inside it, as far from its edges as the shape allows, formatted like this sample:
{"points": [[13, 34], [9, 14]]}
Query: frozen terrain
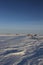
{"points": [[21, 50]]}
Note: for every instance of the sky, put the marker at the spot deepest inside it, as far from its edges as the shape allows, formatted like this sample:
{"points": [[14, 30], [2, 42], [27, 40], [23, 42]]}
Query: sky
{"points": [[21, 16]]}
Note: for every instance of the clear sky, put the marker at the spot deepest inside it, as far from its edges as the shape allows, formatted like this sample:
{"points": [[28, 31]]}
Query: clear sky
{"points": [[21, 16]]}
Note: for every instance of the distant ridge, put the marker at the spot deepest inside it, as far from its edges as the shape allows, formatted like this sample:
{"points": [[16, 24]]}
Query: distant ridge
{"points": [[11, 34]]}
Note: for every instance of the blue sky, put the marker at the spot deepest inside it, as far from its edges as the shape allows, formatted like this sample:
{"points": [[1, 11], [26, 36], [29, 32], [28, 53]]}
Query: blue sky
{"points": [[21, 16]]}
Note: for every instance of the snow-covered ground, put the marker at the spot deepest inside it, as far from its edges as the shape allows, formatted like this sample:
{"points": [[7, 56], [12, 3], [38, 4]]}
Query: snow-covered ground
{"points": [[21, 50]]}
